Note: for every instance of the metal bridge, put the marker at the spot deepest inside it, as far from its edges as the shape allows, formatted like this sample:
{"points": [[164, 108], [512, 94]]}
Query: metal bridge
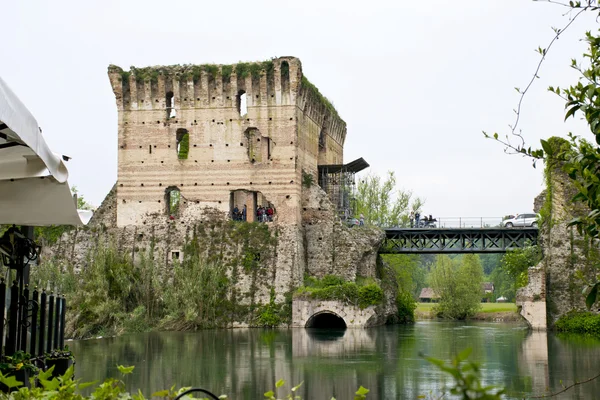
{"points": [[456, 240]]}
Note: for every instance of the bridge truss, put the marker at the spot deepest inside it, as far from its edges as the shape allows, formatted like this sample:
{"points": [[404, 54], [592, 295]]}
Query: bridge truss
{"points": [[457, 240]]}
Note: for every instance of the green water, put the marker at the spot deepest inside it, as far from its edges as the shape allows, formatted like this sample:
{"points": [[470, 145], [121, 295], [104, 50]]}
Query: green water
{"points": [[245, 363]]}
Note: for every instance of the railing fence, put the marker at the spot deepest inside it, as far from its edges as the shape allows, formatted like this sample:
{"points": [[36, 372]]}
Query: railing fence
{"points": [[33, 322]]}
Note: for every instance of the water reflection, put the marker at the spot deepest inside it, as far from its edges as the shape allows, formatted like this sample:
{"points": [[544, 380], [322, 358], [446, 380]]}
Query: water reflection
{"points": [[246, 363]]}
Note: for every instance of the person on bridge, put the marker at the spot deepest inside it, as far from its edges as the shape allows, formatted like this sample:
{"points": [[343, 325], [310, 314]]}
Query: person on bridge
{"points": [[417, 218], [412, 219]]}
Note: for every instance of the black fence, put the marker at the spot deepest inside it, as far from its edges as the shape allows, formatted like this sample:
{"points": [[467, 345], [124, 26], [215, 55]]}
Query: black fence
{"points": [[33, 322]]}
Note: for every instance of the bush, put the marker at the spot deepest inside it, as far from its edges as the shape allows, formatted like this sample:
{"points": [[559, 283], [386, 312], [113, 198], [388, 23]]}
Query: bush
{"points": [[406, 308], [363, 294], [579, 322], [370, 295]]}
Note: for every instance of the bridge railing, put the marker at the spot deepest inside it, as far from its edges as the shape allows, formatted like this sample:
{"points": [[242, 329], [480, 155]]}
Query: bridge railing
{"points": [[469, 222]]}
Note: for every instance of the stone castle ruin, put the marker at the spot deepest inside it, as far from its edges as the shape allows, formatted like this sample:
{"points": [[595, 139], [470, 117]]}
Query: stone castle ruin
{"points": [[198, 142]]}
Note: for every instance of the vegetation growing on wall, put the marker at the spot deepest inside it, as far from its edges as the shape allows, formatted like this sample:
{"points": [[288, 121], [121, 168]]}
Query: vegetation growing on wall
{"points": [[114, 294], [314, 93], [183, 147], [363, 293]]}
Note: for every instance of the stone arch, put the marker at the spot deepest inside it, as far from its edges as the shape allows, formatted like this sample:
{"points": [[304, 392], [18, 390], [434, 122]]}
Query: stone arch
{"points": [[326, 320]]}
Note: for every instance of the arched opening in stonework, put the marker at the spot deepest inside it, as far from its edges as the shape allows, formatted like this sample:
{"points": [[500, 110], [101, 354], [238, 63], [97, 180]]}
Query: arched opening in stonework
{"points": [[241, 103], [171, 113], [326, 320], [172, 201]]}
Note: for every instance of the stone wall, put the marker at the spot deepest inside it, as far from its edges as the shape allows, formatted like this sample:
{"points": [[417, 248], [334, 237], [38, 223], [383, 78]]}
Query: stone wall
{"points": [[569, 259], [281, 254], [263, 149]]}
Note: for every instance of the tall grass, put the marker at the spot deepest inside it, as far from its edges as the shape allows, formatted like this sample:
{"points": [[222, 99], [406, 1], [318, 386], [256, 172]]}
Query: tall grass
{"points": [[112, 294]]}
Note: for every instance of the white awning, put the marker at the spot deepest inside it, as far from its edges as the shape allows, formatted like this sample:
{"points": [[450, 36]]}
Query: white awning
{"points": [[33, 180]]}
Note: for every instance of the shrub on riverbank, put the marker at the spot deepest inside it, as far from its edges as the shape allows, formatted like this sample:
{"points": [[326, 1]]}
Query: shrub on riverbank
{"points": [[579, 322], [113, 295], [363, 293]]}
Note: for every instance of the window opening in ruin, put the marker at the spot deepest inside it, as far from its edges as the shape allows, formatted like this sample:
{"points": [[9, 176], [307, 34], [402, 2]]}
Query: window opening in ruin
{"points": [[150, 149], [285, 76], [171, 113], [172, 200], [250, 206], [241, 103], [175, 255], [183, 143]]}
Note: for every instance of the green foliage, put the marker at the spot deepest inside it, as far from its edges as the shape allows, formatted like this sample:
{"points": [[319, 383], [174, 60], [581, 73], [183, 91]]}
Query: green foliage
{"points": [[125, 75], [579, 322], [382, 204], [191, 304], [19, 360], [211, 69], [307, 179], [458, 283], [467, 379], [184, 147], [271, 315], [516, 263], [335, 288], [145, 74], [226, 71], [410, 273], [314, 92], [244, 69], [406, 308], [504, 284]]}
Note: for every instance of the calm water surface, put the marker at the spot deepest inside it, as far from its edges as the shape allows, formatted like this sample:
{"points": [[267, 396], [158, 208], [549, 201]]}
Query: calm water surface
{"points": [[245, 363]]}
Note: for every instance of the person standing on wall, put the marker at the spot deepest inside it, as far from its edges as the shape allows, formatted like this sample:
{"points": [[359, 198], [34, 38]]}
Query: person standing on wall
{"points": [[362, 220]]}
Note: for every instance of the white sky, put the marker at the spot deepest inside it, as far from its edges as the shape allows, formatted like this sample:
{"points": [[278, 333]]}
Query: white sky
{"points": [[416, 81]]}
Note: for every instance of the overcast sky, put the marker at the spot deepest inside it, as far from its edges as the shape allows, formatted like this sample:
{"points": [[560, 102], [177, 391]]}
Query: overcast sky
{"points": [[416, 81]]}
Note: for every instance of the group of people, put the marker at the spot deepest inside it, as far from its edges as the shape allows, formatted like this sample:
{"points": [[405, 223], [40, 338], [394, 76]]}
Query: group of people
{"points": [[417, 222], [263, 214]]}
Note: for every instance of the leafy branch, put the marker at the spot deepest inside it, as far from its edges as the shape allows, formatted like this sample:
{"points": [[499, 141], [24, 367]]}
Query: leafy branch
{"points": [[520, 148], [566, 388]]}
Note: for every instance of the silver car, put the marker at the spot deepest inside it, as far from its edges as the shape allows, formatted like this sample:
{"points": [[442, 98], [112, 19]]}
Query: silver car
{"points": [[522, 220]]}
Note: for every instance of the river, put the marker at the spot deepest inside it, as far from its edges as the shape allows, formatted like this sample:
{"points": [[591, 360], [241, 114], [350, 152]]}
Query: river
{"points": [[245, 363]]}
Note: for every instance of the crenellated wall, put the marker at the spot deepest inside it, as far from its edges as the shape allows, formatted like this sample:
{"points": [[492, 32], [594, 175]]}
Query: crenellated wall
{"points": [[263, 150]]}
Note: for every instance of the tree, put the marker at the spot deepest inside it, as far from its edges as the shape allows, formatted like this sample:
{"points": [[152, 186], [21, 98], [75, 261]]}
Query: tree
{"points": [[515, 263], [458, 283], [382, 204], [82, 204]]}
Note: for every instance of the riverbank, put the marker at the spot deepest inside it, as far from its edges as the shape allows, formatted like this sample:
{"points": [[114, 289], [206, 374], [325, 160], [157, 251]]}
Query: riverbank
{"points": [[491, 312]]}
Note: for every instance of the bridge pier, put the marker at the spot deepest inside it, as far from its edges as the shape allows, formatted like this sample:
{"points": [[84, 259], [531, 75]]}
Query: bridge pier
{"points": [[330, 314]]}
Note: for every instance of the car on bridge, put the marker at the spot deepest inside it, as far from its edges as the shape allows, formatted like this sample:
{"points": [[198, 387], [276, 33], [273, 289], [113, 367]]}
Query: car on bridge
{"points": [[521, 220]]}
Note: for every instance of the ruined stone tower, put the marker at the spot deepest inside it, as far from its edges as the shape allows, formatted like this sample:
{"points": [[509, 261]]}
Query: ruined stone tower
{"points": [[198, 142], [220, 136]]}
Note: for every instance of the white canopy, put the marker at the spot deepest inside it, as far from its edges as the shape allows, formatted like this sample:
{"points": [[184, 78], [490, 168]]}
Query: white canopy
{"points": [[33, 180]]}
